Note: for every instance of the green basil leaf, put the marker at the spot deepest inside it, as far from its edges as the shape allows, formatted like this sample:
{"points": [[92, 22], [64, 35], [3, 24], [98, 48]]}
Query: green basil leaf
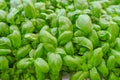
{"points": [[82, 41], [84, 23]]}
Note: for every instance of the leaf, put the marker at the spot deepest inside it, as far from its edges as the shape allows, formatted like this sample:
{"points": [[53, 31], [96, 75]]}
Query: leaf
{"points": [[96, 8], [31, 36], [72, 15], [60, 51], [104, 21], [53, 20], [105, 47], [29, 8], [5, 43], [40, 6], [117, 45], [73, 62], [117, 19], [79, 33], [12, 15], [116, 54], [5, 76], [93, 37], [76, 75], [3, 4], [38, 23], [82, 41], [69, 48], [54, 31], [24, 63], [27, 27], [65, 24], [103, 68], [4, 52], [84, 75], [113, 29], [13, 28], [70, 61], [104, 35], [23, 51], [49, 47], [3, 15], [46, 37], [81, 4], [41, 65], [39, 51], [65, 37], [4, 64], [15, 35], [94, 75], [97, 56], [15, 4], [54, 62], [111, 62], [61, 12], [96, 27], [4, 29], [112, 76], [84, 23]]}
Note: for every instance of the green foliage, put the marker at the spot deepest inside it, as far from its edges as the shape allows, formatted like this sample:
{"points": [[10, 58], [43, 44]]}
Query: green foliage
{"points": [[45, 39]]}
